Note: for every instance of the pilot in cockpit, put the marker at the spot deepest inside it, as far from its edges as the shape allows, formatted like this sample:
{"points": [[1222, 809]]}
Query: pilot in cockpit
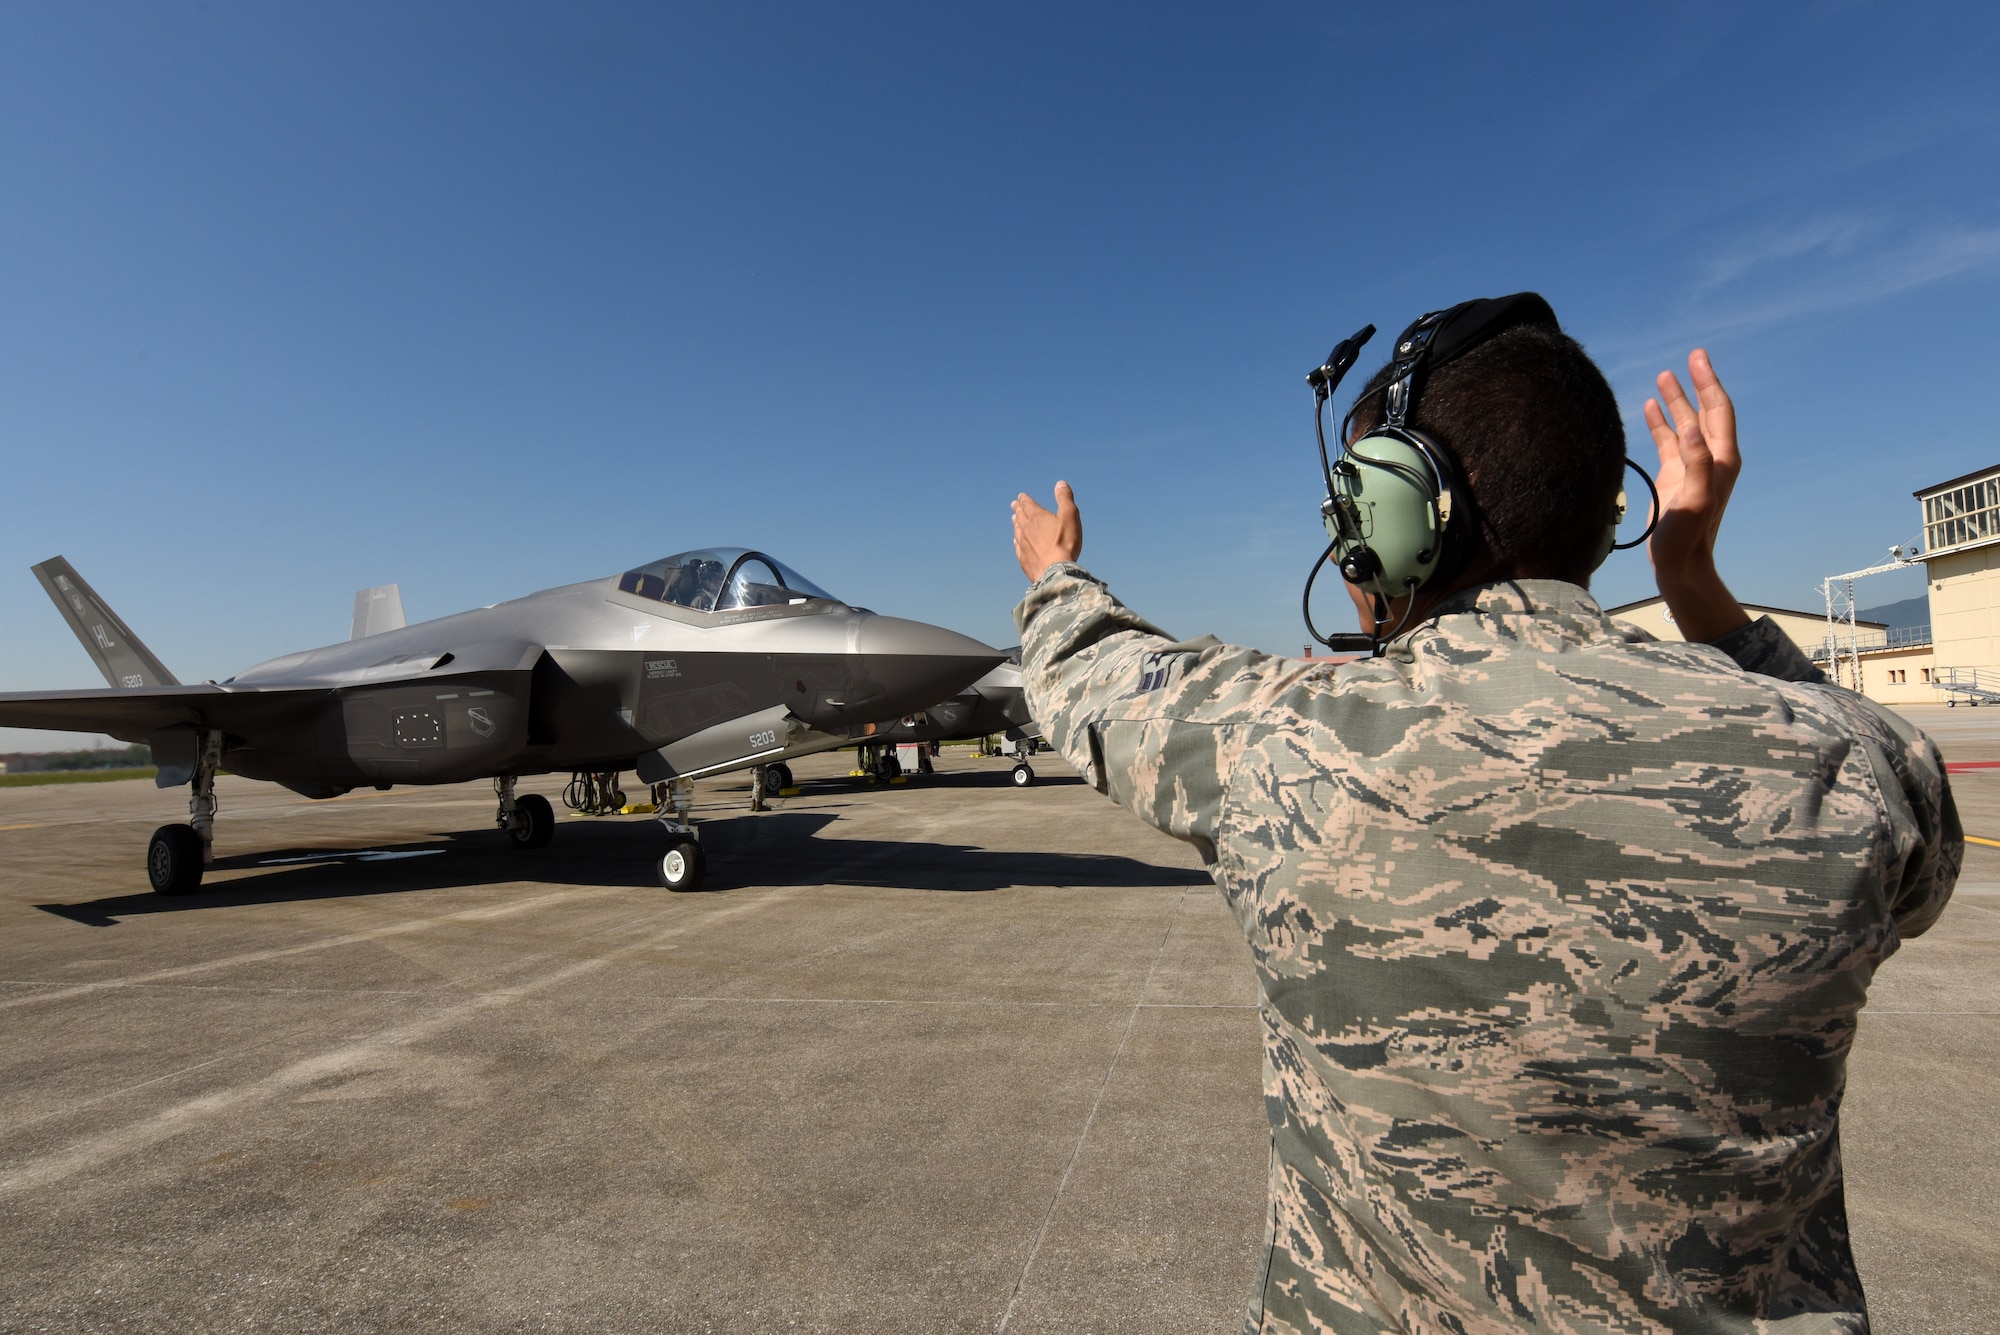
{"points": [[695, 584]]}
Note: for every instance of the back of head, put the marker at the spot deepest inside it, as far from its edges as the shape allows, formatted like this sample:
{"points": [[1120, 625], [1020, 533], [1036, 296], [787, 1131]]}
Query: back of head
{"points": [[1533, 424]]}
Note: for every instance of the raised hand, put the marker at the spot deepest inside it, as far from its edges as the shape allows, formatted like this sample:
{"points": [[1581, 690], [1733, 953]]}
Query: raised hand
{"points": [[1699, 463], [1042, 538]]}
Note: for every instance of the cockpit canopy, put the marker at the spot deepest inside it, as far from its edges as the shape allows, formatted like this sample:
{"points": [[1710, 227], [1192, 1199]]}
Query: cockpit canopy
{"points": [[719, 579]]}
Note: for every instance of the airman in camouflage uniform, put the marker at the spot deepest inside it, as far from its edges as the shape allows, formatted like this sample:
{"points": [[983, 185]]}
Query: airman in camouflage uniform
{"points": [[1561, 931]]}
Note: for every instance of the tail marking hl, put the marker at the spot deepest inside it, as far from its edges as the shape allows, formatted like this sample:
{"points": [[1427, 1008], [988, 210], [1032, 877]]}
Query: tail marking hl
{"points": [[119, 655]]}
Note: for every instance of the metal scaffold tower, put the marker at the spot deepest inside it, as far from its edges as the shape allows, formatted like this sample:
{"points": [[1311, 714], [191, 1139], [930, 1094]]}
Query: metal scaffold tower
{"points": [[1843, 641]]}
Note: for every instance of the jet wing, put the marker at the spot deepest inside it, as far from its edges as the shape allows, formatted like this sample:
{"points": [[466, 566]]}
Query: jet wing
{"points": [[135, 713]]}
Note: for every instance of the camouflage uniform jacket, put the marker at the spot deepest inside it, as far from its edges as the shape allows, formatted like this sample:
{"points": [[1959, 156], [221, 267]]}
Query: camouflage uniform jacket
{"points": [[1562, 933]]}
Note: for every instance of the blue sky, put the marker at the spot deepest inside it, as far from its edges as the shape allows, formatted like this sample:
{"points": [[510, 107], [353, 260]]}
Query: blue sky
{"points": [[485, 298]]}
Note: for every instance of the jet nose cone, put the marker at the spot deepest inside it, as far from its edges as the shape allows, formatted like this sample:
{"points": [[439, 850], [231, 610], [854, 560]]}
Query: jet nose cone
{"points": [[911, 665], [893, 636]]}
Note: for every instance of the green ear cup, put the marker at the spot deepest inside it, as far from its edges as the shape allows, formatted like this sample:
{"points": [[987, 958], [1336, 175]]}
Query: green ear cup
{"points": [[1386, 527]]}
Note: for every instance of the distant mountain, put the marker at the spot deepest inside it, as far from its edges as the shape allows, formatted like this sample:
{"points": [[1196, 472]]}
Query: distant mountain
{"points": [[1900, 615]]}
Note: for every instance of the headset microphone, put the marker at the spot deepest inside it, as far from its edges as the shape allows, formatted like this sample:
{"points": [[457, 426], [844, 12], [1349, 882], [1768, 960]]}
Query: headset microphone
{"points": [[1325, 379], [1327, 376]]}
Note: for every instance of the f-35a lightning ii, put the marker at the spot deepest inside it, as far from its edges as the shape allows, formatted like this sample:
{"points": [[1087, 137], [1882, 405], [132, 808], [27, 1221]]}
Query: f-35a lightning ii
{"points": [[703, 662], [995, 705]]}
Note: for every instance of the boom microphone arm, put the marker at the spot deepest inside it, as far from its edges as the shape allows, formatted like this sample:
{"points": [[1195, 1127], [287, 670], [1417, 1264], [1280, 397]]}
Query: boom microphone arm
{"points": [[1340, 644], [1326, 377]]}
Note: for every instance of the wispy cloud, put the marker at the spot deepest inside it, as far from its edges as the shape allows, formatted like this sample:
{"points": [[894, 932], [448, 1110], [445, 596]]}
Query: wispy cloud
{"points": [[1777, 276], [1829, 238]]}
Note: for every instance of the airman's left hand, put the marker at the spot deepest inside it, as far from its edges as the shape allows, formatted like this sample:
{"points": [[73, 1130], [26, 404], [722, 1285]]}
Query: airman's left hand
{"points": [[1699, 462]]}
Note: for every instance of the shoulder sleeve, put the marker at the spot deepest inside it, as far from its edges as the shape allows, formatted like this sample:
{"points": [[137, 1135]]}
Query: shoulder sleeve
{"points": [[1763, 648], [1927, 847], [1926, 842], [1154, 723]]}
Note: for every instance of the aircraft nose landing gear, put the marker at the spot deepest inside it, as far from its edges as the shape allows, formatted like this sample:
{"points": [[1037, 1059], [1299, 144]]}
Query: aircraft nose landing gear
{"points": [[1024, 773], [683, 864]]}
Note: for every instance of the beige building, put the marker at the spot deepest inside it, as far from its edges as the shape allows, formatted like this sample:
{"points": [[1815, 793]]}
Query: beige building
{"points": [[1896, 666], [1961, 646], [1807, 629], [1962, 562], [1898, 676]]}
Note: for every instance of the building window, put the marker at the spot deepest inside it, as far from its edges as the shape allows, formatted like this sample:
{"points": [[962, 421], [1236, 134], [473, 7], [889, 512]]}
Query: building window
{"points": [[1966, 514], [1926, 672]]}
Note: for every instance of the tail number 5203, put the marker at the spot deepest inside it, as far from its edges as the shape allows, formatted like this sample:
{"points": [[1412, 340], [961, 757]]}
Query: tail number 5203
{"points": [[763, 739]]}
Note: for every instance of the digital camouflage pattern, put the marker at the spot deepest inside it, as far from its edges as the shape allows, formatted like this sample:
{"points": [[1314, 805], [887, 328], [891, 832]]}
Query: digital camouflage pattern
{"points": [[1562, 934]]}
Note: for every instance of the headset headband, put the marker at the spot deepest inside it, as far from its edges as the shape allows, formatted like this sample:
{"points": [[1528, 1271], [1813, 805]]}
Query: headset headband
{"points": [[1446, 335]]}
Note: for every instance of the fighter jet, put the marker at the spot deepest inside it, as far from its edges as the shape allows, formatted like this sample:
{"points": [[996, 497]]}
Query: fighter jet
{"points": [[703, 662], [995, 705]]}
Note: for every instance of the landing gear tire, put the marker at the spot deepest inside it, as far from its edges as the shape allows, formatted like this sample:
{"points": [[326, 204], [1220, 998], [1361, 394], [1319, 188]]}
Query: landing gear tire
{"points": [[682, 865], [173, 860], [1023, 775], [534, 822], [778, 777], [891, 768]]}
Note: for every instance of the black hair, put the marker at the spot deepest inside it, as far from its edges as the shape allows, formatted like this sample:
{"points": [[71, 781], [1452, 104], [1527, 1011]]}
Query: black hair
{"points": [[1534, 426]]}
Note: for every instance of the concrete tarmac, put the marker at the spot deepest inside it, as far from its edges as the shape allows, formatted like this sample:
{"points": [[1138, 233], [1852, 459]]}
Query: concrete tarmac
{"points": [[948, 1056]]}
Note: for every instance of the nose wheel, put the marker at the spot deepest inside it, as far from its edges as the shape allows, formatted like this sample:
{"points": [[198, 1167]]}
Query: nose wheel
{"points": [[1024, 775], [683, 865]]}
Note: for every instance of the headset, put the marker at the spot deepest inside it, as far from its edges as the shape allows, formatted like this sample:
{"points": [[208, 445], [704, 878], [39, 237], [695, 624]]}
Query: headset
{"points": [[1399, 515]]}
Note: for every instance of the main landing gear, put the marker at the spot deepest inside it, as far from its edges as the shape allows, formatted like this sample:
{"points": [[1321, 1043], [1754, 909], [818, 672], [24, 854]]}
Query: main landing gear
{"points": [[876, 761], [529, 820], [178, 854], [682, 865]]}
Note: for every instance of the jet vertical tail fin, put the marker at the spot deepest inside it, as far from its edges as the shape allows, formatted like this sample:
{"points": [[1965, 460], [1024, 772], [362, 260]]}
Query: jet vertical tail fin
{"points": [[119, 655], [376, 610]]}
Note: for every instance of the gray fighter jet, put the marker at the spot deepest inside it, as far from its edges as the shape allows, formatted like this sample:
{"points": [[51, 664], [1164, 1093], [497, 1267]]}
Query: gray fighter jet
{"points": [[994, 706], [704, 662]]}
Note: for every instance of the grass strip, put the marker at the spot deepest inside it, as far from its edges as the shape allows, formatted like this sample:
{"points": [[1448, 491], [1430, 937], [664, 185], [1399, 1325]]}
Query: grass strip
{"points": [[74, 776]]}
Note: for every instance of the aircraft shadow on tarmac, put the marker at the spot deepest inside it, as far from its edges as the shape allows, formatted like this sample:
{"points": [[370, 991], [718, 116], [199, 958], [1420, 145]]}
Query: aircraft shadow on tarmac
{"points": [[775, 848]]}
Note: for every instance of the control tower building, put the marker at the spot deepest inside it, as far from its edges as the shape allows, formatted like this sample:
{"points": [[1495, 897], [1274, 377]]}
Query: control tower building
{"points": [[1962, 568]]}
